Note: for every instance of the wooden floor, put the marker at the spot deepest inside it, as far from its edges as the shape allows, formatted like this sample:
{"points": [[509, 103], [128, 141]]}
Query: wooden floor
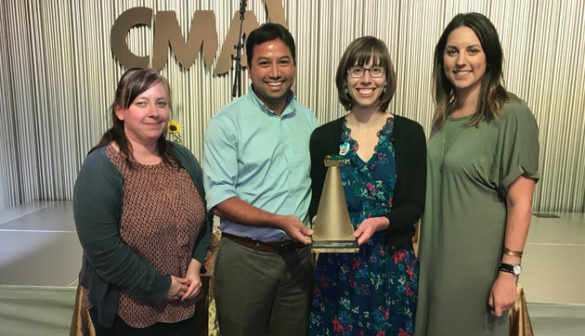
{"points": [[39, 247]]}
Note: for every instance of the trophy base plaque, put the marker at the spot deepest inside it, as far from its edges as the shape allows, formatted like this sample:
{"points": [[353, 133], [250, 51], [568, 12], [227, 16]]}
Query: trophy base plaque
{"points": [[335, 246]]}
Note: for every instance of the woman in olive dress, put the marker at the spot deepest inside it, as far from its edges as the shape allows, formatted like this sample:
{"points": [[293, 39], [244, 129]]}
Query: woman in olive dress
{"points": [[482, 166]]}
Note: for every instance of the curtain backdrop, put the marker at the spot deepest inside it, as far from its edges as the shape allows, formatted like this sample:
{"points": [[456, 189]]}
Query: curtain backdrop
{"points": [[58, 77]]}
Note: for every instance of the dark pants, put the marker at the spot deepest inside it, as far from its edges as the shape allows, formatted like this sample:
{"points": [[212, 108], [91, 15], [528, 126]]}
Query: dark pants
{"points": [[262, 292], [183, 328]]}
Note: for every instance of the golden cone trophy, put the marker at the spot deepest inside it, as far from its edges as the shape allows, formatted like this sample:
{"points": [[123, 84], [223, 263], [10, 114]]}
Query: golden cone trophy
{"points": [[332, 231]]}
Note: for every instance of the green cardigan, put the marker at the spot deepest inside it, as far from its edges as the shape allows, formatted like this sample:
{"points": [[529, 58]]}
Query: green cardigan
{"points": [[109, 265]]}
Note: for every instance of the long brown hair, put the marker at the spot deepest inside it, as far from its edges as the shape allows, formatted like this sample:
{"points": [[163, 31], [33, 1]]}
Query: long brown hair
{"points": [[134, 82], [492, 94]]}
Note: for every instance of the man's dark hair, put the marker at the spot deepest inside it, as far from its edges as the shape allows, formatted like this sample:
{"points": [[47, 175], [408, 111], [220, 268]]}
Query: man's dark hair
{"points": [[268, 32]]}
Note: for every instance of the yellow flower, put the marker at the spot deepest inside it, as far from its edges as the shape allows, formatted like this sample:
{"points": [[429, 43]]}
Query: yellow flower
{"points": [[174, 127]]}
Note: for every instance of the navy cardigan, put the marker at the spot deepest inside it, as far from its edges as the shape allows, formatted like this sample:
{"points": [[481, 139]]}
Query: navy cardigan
{"points": [[408, 202]]}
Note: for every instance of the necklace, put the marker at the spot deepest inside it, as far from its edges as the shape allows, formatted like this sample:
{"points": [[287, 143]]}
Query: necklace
{"points": [[443, 151], [442, 154]]}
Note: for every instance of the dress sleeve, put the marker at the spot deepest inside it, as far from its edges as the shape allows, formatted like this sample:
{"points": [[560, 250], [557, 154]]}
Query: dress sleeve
{"points": [[518, 147], [97, 207]]}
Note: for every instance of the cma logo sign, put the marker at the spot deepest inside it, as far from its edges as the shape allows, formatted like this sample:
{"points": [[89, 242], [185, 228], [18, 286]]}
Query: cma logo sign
{"points": [[202, 37]]}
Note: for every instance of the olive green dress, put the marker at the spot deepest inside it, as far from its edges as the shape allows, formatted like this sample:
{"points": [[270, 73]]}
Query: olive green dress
{"points": [[469, 169]]}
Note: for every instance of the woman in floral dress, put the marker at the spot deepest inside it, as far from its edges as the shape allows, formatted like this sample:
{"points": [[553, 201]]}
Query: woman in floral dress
{"points": [[374, 291]]}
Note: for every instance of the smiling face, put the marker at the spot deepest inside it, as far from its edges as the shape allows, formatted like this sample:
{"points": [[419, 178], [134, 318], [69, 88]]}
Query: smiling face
{"points": [[146, 118], [272, 72], [464, 61], [365, 91]]}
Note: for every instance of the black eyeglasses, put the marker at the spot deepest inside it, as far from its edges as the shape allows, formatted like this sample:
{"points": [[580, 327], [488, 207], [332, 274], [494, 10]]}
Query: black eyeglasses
{"points": [[376, 71]]}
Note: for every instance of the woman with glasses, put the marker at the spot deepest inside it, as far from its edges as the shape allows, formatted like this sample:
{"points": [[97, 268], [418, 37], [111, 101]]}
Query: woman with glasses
{"points": [[374, 290]]}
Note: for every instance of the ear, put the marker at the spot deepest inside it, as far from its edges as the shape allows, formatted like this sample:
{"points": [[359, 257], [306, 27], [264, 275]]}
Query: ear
{"points": [[118, 111]]}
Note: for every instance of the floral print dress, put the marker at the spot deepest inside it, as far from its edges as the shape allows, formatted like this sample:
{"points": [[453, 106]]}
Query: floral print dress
{"points": [[372, 292]]}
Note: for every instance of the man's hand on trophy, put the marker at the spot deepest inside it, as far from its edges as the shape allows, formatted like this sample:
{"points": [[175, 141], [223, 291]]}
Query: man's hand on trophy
{"points": [[368, 227], [295, 228]]}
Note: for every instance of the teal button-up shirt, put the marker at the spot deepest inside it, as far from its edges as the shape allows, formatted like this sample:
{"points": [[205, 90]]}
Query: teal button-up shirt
{"points": [[262, 158]]}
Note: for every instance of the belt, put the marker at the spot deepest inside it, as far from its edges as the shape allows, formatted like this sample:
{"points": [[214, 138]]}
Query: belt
{"points": [[282, 247]]}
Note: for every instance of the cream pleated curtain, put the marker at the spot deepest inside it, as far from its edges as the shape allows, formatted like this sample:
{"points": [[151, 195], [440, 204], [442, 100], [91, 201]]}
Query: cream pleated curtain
{"points": [[58, 77]]}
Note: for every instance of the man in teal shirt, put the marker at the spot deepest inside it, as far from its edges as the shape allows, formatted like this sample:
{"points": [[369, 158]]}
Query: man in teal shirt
{"points": [[256, 175]]}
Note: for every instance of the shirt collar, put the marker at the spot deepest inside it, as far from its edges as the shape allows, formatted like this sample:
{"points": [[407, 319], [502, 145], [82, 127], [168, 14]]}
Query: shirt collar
{"points": [[288, 108]]}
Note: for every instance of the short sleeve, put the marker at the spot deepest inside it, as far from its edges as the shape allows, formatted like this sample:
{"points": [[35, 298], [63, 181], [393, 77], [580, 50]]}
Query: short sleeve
{"points": [[220, 159], [517, 144]]}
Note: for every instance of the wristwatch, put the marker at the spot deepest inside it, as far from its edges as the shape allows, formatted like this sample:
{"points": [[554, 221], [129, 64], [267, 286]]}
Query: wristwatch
{"points": [[511, 268]]}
